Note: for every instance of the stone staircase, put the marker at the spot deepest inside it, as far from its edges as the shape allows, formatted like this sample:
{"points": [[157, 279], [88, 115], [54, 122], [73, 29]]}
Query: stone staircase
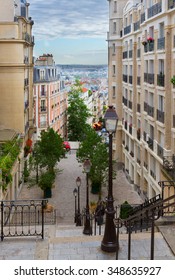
{"points": [[67, 242]]}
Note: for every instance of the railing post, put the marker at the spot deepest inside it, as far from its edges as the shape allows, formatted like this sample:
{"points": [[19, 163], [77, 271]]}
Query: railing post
{"points": [[152, 236], [42, 230], [129, 241], [2, 220]]}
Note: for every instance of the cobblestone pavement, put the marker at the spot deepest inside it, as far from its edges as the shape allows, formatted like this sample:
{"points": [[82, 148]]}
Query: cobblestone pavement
{"points": [[64, 240]]}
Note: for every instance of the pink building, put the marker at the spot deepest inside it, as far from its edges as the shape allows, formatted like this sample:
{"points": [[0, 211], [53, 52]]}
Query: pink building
{"points": [[50, 97]]}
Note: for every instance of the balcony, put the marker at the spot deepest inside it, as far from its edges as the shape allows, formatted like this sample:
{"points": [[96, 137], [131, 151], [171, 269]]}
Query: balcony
{"points": [[26, 82], [130, 80], [125, 101], [161, 43], [138, 108], [137, 25], [125, 55], [43, 109], [149, 78], [159, 151], [171, 4], [142, 19], [138, 80], [130, 128], [139, 53], [154, 10], [152, 173], [125, 78], [173, 121], [169, 163], [150, 143], [130, 53], [145, 107], [150, 111], [130, 104], [161, 80], [160, 116], [127, 30]]}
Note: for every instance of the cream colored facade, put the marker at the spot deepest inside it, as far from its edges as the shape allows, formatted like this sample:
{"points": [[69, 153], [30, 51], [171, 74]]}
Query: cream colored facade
{"points": [[16, 73], [141, 42]]}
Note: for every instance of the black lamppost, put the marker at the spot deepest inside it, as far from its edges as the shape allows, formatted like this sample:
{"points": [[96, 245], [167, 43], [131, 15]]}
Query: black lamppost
{"points": [[75, 195], [109, 242], [78, 183], [87, 225]]}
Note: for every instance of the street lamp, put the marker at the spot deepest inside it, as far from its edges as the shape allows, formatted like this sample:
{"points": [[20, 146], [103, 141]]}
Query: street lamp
{"points": [[78, 183], [75, 195], [87, 225], [109, 242]]}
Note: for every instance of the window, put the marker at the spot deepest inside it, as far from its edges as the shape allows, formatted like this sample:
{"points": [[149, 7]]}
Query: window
{"points": [[113, 91], [115, 6], [114, 27], [161, 107], [41, 74], [113, 48], [113, 70]]}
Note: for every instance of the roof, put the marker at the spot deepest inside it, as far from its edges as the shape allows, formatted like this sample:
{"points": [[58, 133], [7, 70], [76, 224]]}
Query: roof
{"points": [[7, 134]]}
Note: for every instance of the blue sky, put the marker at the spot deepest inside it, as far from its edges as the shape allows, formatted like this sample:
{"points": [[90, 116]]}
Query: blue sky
{"points": [[74, 31]]}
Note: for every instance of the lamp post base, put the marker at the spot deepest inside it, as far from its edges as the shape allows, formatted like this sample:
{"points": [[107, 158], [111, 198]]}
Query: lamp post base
{"points": [[109, 242]]}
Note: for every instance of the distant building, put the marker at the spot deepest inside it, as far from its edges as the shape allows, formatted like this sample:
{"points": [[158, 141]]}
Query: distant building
{"points": [[16, 79], [141, 43], [50, 96]]}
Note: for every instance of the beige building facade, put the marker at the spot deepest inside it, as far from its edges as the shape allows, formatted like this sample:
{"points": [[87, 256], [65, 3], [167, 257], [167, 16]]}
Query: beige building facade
{"points": [[16, 77], [141, 50]]}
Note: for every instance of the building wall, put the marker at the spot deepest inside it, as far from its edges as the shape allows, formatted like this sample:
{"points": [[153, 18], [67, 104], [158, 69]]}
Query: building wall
{"points": [[143, 95], [50, 97], [16, 79]]}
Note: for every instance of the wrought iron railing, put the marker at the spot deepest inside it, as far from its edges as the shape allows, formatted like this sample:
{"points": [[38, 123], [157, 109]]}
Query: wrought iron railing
{"points": [[24, 218]]}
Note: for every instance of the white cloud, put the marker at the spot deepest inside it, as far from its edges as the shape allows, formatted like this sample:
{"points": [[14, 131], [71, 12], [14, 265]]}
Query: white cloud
{"points": [[69, 19]]}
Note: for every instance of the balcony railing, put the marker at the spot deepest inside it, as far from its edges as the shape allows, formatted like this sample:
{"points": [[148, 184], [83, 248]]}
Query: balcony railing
{"points": [[150, 111], [171, 4], [159, 151], [138, 107], [149, 78], [150, 143], [161, 43], [127, 29], [130, 79], [173, 121], [138, 52], [125, 54], [154, 10], [43, 109], [137, 25], [125, 78], [161, 80], [130, 53], [138, 80], [142, 19], [145, 107], [160, 116], [125, 101]]}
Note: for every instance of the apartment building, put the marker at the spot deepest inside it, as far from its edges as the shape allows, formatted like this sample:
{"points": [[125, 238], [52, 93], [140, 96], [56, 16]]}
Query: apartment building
{"points": [[16, 79], [50, 96], [141, 42]]}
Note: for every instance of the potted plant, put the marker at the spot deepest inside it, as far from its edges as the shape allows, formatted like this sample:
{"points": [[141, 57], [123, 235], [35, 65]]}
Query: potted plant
{"points": [[150, 39], [125, 209], [173, 80], [46, 181], [144, 43]]}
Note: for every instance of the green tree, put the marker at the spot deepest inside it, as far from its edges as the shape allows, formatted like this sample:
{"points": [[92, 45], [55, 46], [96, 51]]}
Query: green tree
{"points": [[49, 150], [94, 149], [77, 114]]}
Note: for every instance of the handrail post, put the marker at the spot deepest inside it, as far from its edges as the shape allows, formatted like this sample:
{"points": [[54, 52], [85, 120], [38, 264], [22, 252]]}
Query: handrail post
{"points": [[42, 230], [2, 220]]}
